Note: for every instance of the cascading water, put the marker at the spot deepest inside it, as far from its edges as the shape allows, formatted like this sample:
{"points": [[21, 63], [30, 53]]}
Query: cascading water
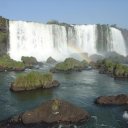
{"points": [[44, 40], [118, 44], [37, 40]]}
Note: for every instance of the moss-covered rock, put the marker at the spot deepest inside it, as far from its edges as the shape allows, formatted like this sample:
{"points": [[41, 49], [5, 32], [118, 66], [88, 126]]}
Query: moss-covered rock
{"points": [[70, 64], [8, 64], [120, 71], [117, 70], [29, 61], [33, 80]]}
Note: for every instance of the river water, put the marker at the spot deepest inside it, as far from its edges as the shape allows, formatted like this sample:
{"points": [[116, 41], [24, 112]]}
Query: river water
{"points": [[79, 88]]}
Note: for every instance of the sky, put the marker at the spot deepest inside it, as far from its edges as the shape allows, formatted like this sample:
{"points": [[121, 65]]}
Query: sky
{"points": [[69, 11]]}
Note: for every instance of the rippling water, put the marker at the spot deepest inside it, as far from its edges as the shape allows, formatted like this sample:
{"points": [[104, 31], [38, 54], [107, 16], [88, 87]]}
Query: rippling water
{"points": [[80, 88]]}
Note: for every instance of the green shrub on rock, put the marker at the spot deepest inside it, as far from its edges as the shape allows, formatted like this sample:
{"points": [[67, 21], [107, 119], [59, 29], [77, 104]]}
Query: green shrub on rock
{"points": [[70, 64], [117, 70], [6, 62], [33, 80]]}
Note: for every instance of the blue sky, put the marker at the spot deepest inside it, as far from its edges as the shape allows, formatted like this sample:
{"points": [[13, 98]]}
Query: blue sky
{"points": [[70, 11]]}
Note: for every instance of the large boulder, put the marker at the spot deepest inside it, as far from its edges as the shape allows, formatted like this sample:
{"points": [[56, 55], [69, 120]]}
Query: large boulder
{"points": [[121, 99], [53, 112]]}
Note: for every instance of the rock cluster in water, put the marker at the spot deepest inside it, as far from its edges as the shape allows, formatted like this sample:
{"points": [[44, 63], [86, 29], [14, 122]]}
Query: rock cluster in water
{"points": [[114, 69]]}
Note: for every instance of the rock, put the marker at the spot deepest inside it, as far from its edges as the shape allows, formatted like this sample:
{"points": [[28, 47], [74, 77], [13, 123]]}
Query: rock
{"points": [[53, 112], [121, 99], [51, 60], [15, 88]]}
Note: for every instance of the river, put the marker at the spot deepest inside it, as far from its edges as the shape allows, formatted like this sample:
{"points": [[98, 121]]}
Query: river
{"points": [[79, 88]]}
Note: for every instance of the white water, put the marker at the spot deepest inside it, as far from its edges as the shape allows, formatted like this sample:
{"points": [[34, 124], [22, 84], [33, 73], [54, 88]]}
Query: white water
{"points": [[118, 43], [125, 115], [43, 40], [38, 40]]}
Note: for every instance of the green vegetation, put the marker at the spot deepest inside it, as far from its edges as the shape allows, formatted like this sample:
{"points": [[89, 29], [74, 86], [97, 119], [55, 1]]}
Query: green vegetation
{"points": [[55, 105], [121, 70], [33, 79], [3, 22], [29, 61], [6, 62], [109, 64], [58, 23], [118, 70], [53, 22], [71, 64], [3, 42], [3, 35]]}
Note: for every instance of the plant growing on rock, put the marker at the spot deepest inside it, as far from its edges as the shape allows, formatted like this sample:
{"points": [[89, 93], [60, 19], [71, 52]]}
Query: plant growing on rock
{"points": [[71, 64], [33, 80], [55, 106], [6, 62]]}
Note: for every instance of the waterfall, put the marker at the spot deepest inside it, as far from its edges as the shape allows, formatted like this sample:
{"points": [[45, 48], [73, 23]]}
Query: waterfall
{"points": [[118, 42], [86, 38], [37, 40], [44, 40]]}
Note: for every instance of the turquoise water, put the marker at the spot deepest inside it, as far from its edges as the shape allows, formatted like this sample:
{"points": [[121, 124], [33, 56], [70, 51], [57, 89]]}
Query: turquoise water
{"points": [[79, 88]]}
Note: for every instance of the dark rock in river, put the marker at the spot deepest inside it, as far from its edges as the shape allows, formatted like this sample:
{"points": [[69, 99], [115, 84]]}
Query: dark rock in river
{"points": [[51, 60], [121, 99], [53, 112]]}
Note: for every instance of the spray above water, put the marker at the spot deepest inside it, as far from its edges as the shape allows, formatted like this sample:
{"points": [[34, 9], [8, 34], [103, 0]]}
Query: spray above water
{"points": [[45, 40]]}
